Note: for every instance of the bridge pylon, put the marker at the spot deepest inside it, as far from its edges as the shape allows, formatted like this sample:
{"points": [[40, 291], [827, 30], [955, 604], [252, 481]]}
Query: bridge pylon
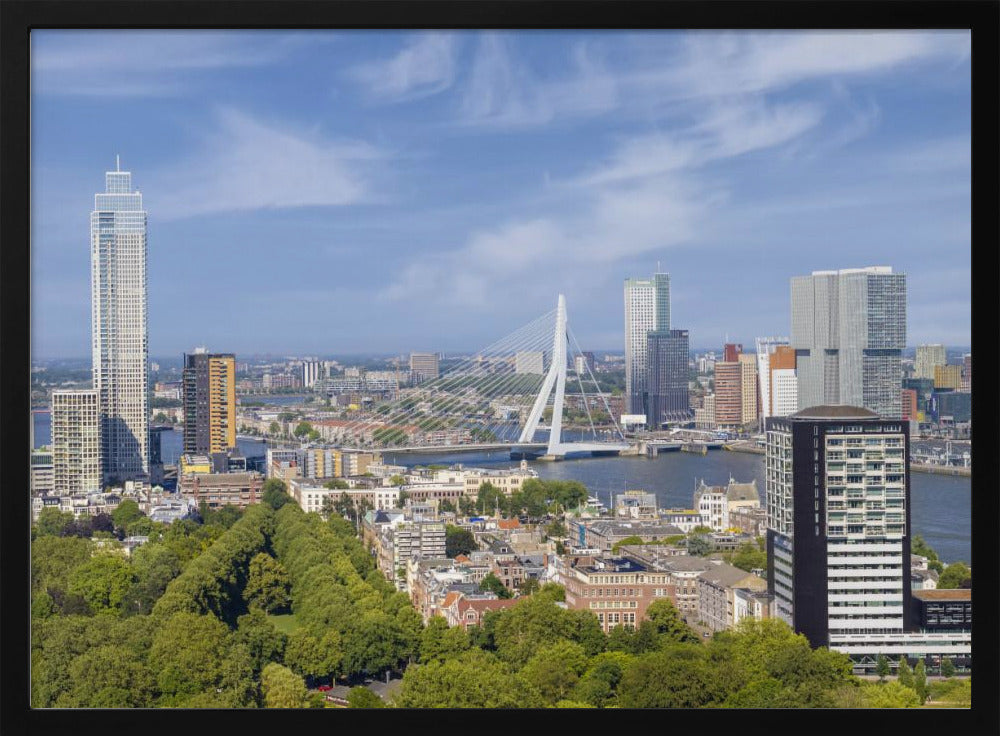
{"points": [[555, 379]]}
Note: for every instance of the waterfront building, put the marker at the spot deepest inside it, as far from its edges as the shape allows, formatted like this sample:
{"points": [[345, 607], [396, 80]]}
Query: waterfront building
{"points": [[838, 539], [784, 392], [647, 309], [766, 363], [76, 441], [716, 503], [748, 389], [948, 377], [729, 389], [530, 361], [119, 340], [424, 367], [952, 407], [704, 418], [848, 331], [928, 357], [667, 355], [209, 402]]}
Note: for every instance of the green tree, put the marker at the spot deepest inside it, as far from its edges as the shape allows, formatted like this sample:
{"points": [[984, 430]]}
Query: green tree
{"points": [[904, 675], [261, 638], [598, 685], [103, 581], [492, 584], [127, 512], [668, 622], [362, 697], [888, 695], [53, 522], [314, 654], [749, 557], [529, 586], [466, 505], [955, 576], [947, 667], [274, 428], [698, 544], [459, 541], [274, 493], [555, 669], [267, 584], [153, 567], [554, 591], [474, 679], [881, 667], [397, 480], [489, 498], [282, 688], [446, 505], [626, 541], [109, 676], [678, 677], [193, 654], [439, 642], [54, 558], [336, 484], [555, 529], [920, 680]]}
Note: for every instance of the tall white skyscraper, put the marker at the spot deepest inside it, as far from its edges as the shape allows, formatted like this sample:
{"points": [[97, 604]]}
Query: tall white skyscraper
{"points": [[118, 323], [765, 349], [647, 309], [849, 331]]}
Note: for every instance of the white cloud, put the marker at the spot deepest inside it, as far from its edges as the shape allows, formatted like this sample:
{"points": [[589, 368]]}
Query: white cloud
{"points": [[424, 67], [248, 165], [144, 63]]}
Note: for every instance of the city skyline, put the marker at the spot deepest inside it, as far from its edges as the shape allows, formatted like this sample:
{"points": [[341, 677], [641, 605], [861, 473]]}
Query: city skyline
{"points": [[439, 172]]}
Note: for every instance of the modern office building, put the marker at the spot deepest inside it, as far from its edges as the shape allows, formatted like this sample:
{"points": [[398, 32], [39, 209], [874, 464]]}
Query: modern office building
{"points": [[118, 324], [42, 480], [729, 388], [424, 367], [209, 402], [766, 349], [948, 376], [848, 331], [667, 355], [927, 358], [967, 372], [748, 389], [647, 309], [76, 442], [838, 539], [530, 361]]}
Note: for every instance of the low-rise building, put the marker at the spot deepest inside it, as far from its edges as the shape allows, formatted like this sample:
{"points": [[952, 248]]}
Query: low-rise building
{"points": [[635, 505], [604, 534], [617, 590], [222, 489], [717, 597], [941, 610], [715, 503], [681, 572]]}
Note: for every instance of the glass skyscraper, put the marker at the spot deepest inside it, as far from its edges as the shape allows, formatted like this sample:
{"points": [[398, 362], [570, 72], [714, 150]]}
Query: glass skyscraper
{"points": [[118, 322], [647, 309], [849, 331], [667, 377]]}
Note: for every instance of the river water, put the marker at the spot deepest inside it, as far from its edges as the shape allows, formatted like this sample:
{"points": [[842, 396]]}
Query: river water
{"points": [[941, 504]]}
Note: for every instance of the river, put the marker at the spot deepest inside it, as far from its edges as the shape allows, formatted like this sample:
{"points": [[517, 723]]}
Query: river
{"points": [[941, 505]]}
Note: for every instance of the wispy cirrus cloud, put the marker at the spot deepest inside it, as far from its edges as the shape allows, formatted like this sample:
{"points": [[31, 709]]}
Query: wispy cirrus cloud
{"points": [[425, 66], [246, 164], [141, 63]]}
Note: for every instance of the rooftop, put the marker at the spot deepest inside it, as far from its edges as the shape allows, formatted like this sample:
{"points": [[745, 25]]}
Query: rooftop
{"points": [[834, 411], [947, 594]]}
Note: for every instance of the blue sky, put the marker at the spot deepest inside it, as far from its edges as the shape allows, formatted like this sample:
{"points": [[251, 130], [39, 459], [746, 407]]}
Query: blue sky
{"points": [[323, 192]]}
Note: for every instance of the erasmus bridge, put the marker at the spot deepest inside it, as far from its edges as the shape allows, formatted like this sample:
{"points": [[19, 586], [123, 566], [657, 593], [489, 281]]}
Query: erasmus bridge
{"points": [[500, 398]]}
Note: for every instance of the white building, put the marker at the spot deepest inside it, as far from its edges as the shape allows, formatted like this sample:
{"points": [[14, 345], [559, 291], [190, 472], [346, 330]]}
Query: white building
{"points": [[765, 348], [647, 308], [118, 319], [714, 503], [43, 480], [928, 357], [76, 442], [311, 370], [786, 392]]}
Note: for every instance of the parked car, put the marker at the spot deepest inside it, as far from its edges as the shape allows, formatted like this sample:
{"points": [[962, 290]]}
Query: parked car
{"points": [[325, 688]]}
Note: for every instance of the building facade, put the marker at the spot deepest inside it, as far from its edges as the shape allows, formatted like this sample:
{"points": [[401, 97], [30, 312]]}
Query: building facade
{"points": [[424, 367], [667, 354], [530, 361], [209, 381], [948, 376], [76, 442], [849, 331], [728, 394], [766, 348], [927, 358], [647, 309], [119, 340]]}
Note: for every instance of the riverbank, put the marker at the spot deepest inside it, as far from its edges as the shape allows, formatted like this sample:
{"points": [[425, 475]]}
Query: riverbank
{"points": [[915, 467]]}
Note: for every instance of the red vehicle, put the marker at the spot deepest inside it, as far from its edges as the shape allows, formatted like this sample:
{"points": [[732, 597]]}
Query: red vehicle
{"points": [[325, 688]]}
